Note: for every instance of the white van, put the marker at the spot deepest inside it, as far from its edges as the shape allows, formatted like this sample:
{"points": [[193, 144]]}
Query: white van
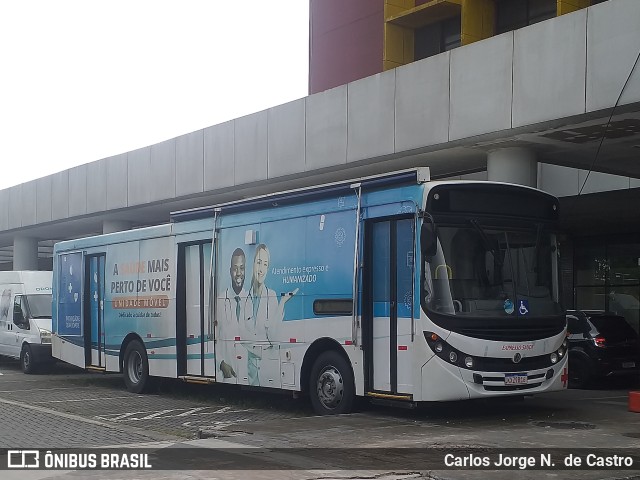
{"points": [[25, 318]]}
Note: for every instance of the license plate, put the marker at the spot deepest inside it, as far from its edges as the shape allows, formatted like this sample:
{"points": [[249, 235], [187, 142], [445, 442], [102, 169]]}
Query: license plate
{"points": [[515, 379], [628, 364]]}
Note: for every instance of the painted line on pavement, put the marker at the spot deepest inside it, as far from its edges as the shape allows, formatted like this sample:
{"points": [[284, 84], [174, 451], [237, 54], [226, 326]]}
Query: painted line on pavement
{"points": [[69, 416], [43, 389], [604, 398], [615, 403], [89, 399]]}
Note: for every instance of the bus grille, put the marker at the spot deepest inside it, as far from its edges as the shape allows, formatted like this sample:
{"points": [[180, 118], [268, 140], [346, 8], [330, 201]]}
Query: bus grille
{"points": [[510, 388], [485, 364]]}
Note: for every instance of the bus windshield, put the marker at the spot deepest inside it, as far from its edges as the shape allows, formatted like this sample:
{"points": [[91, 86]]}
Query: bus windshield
{"points": [[481, 271]]}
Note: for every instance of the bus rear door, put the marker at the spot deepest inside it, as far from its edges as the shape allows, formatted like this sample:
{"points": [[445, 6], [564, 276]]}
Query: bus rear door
{"points": [[94, 328], [194, 334]]}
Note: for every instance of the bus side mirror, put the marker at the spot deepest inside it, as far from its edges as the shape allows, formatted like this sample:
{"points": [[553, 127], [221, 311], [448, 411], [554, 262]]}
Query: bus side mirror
{"points": [[428, 241]]}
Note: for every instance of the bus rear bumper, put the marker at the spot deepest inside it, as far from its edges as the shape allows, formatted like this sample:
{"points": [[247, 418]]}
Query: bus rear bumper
{"points": [[68, 350]]}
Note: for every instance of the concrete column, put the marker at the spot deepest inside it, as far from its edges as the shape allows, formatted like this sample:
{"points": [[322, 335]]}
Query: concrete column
{"points": [[25, 253], [111, 226], [513, 165]]}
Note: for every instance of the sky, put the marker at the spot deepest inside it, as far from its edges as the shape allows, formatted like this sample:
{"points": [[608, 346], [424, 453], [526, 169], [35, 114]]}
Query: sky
{"points": [[82, 80]]}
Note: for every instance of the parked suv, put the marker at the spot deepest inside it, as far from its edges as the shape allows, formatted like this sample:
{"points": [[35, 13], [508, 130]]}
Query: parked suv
{"points": [[601, 344]]}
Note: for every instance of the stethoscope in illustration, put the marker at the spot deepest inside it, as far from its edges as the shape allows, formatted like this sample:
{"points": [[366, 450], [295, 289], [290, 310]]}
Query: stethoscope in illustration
{"points": [[252, 319], [230, 306]]}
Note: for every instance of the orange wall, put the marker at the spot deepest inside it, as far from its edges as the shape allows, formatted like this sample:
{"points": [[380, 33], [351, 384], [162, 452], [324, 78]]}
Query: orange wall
{"points": [[346, 41]]}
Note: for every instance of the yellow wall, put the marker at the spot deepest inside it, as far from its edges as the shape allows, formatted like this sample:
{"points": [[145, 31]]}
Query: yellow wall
{"points": [[398, 41], [478, 20], [477, 23], [568, 6]]}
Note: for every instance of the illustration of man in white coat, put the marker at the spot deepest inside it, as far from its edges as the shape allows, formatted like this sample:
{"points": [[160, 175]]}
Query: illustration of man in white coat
{"points": [[230, 322]]}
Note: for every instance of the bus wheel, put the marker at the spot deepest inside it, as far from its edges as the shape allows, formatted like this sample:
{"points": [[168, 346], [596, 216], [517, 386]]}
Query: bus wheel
{"points": [[331, 385], [136, 368], [26, 360]]}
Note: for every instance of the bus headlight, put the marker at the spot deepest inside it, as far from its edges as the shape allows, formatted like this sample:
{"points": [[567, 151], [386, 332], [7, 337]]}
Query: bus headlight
{"points": [[561, 352], [554, 358], [448, 353]]}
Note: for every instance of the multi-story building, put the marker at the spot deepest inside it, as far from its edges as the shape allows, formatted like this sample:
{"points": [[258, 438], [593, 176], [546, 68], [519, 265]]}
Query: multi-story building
{"points": [[355, 39], [511, 73]]}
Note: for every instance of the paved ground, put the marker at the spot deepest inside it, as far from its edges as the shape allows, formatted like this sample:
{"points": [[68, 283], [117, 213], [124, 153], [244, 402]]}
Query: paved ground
{"points": [[70, 408], [176, 410]]}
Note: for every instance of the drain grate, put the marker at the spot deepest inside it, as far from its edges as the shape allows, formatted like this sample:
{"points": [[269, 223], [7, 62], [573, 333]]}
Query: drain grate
{"points": [[566, 425]]}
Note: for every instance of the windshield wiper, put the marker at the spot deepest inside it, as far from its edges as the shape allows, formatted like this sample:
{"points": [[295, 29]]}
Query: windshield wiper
{"points": [[537, 247], [514, 280]]}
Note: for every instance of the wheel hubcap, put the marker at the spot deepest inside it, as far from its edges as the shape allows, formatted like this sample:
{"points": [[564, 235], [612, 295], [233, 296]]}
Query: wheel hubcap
{"points": [[330, 387], [135, 367]]}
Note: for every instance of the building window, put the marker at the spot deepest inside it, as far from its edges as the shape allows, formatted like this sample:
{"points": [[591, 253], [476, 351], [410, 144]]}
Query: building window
{"points": [[514, 14], [437, 38], [607, 277], [450, 34]]}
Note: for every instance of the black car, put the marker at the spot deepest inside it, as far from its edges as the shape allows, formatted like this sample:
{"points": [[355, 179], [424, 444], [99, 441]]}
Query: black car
{"points": [[601, 344]]}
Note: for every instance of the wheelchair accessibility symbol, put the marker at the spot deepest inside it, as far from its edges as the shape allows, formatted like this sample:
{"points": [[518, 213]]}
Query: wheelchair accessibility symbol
{"points": [[523, 309]]}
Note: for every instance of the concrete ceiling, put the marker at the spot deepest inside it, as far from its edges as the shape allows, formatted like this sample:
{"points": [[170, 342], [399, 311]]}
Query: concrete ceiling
{"points": [[592, 141]]}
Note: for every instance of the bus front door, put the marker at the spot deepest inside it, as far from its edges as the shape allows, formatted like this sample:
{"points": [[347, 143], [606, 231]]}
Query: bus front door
{"points": [[94, 337], [387, 315]]}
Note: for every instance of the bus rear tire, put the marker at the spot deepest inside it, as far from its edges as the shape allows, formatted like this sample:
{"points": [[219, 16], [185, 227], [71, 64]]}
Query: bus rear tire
{"points": [[136, 368], [331, 385]]}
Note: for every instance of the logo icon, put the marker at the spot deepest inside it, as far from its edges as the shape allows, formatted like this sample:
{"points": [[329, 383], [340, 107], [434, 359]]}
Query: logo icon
{"points": [[23, 459], [517, 357], [408, 300]]}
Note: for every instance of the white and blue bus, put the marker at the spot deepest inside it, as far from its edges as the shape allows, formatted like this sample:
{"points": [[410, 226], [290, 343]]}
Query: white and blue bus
{"points": [[392, 287]]}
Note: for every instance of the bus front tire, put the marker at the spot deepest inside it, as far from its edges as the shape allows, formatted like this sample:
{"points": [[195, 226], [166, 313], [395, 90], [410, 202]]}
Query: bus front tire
{"points": [[26, 360], [136, 368], [331, 385]]}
